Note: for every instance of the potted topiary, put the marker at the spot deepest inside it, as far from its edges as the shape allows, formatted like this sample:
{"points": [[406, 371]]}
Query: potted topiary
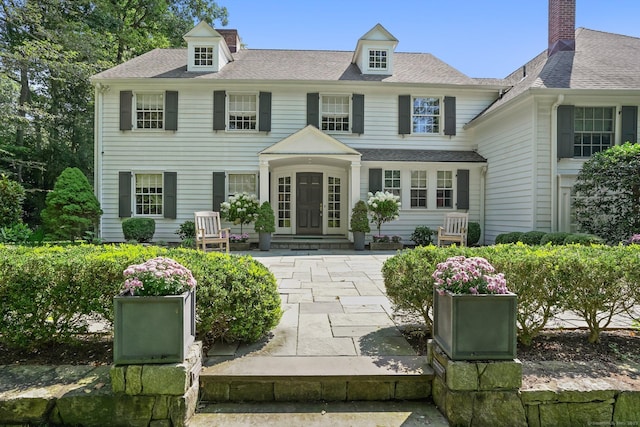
{"points": [[154, 315], [265, 225], [474, 313], [383, 207], [359, 224]]}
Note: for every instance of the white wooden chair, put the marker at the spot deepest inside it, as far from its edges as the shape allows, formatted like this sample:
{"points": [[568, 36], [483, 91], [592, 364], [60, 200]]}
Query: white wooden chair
{"points": [[209, 231], [454, 229]]}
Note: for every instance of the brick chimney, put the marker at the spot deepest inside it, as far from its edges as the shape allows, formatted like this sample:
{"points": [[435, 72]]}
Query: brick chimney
{"points": [[562, 26], [231, 38]]}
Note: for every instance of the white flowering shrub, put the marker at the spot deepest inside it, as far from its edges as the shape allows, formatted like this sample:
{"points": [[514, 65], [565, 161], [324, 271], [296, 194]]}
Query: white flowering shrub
{"points": [[242, 208], [383, 207]]}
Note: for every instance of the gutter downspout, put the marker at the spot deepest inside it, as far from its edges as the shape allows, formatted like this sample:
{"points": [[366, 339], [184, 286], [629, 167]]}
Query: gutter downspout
{"points": [[97, 149], [554, 163]]}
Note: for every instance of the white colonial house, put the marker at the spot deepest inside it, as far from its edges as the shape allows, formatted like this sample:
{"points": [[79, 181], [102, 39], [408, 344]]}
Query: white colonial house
{"points": [[180, 130]]}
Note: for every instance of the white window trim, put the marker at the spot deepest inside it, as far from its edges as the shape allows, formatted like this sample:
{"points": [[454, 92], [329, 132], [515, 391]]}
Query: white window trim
{"points": [[349, 97], [213, 58], [615, 133], [453, 190], [227, 190], [134, 111], [440, 116], [426, 188], [133, 192], [228, 112], [384, 187], [368, 59]]}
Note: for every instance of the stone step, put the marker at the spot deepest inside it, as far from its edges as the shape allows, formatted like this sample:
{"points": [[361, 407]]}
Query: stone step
{"points": [[308, 379], [356, 414]]}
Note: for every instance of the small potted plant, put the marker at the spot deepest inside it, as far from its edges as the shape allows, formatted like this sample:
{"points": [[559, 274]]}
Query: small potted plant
{"points": [[265, 225], [383, 207], [155, 313], [359, 224], [474, 311]]}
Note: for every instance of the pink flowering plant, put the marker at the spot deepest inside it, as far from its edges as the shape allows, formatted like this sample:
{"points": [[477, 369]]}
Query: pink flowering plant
{"points": [[461, 275], [158, 277], [239, 238]]}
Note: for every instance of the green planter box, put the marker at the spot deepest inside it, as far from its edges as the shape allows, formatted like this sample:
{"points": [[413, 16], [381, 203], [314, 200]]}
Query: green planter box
{"points": [[385, 246], [475, 327], [240, 246], [153, 329]]}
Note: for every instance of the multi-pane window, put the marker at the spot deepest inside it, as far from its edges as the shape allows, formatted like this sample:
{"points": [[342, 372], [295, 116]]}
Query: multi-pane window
{"points": [[378, 59], [203, 55], [418, 189], [149, 110], [594, 130], [284, 201], [148, 194], [242, 183], [444, 189], [392, 181], [335, 113], [243, 110], [426, 115], [333, 194]]}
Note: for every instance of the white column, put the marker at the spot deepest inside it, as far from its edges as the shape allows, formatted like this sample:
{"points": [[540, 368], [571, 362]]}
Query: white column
{"points": [[354, 193], [264, 181]]}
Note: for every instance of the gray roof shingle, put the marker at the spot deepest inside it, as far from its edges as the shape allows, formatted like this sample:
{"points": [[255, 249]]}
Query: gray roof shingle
{"points": [[395, 155], [289, 65]]}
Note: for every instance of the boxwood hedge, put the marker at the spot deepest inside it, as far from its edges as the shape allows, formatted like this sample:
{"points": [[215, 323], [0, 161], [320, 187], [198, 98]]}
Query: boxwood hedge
{"points": [[48, 293]]}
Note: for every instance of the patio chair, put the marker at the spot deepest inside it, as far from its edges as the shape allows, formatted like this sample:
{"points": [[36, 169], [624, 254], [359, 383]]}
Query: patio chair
{"points": [[454, 229], [209, 231]]}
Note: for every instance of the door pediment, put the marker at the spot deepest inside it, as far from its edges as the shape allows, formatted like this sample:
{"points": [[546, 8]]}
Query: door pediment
{"points": [[308, 141]]}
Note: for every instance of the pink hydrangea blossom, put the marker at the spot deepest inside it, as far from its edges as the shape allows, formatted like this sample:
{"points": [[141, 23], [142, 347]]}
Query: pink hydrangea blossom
{"points": [[461, 275], [158, 276]]}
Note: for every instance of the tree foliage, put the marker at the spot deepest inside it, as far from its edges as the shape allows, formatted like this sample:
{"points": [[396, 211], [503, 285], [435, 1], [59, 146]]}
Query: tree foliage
{"points": [[71, 208], [11, 198], [607, 193], [48, 51]]}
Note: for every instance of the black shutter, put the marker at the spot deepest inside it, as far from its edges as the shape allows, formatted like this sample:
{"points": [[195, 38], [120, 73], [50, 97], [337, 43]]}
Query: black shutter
{"points": [[358, 114], [124, 194], [375, 180], [313, 109], [404, 114], [171, 106], [218, 190], [264, 122], [630, 124], [463, 189], [219, 109], [565, 131], [126, 104], [449, 115], [169, 195]]}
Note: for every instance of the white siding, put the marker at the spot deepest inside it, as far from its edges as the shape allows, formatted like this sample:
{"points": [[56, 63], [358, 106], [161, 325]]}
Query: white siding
{"points": [[195, 150]]}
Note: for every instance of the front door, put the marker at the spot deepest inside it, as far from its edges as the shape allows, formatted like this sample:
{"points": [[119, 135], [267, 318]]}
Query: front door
{"points": [[309, 203]]}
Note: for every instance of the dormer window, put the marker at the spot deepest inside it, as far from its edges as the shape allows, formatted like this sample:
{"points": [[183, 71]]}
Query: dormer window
{"points": [[203, 56], [378, 59]]}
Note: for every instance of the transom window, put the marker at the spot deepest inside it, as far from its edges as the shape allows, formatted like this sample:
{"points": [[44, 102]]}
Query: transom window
{"points": [[148, 194], [444, 189], [378, 59], [594, 130], [335, 113], [426, 115], [392, 181], [203, 55], [149, 110], [242, 183], [419, 189], [243, 110]]}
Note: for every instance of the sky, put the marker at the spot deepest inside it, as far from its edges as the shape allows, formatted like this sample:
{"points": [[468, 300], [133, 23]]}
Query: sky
{"points": [[489, 38]]}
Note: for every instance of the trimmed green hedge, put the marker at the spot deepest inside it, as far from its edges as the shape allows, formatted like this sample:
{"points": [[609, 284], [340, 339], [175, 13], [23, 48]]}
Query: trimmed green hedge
{"points": [[47, 292], [596, 281]]}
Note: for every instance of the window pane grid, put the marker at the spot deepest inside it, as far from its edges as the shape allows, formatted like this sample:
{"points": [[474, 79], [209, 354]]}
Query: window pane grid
{"points": [[444, 189], [284, 201], [242, 112], [333, 214], [335, 113], [203, 56], [378, 59], [392, 181], [149, 111], [426, 115], [148, 194], [242, 183], [418, 189], [594, 130]]}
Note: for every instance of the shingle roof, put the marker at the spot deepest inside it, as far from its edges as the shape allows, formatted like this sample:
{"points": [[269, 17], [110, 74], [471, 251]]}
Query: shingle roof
{"points": [[394, 155], [289, 65], [601, 61]]}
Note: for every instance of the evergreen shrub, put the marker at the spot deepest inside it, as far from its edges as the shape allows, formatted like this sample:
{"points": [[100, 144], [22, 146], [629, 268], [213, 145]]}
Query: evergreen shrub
{"points": [[137, 229]]}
